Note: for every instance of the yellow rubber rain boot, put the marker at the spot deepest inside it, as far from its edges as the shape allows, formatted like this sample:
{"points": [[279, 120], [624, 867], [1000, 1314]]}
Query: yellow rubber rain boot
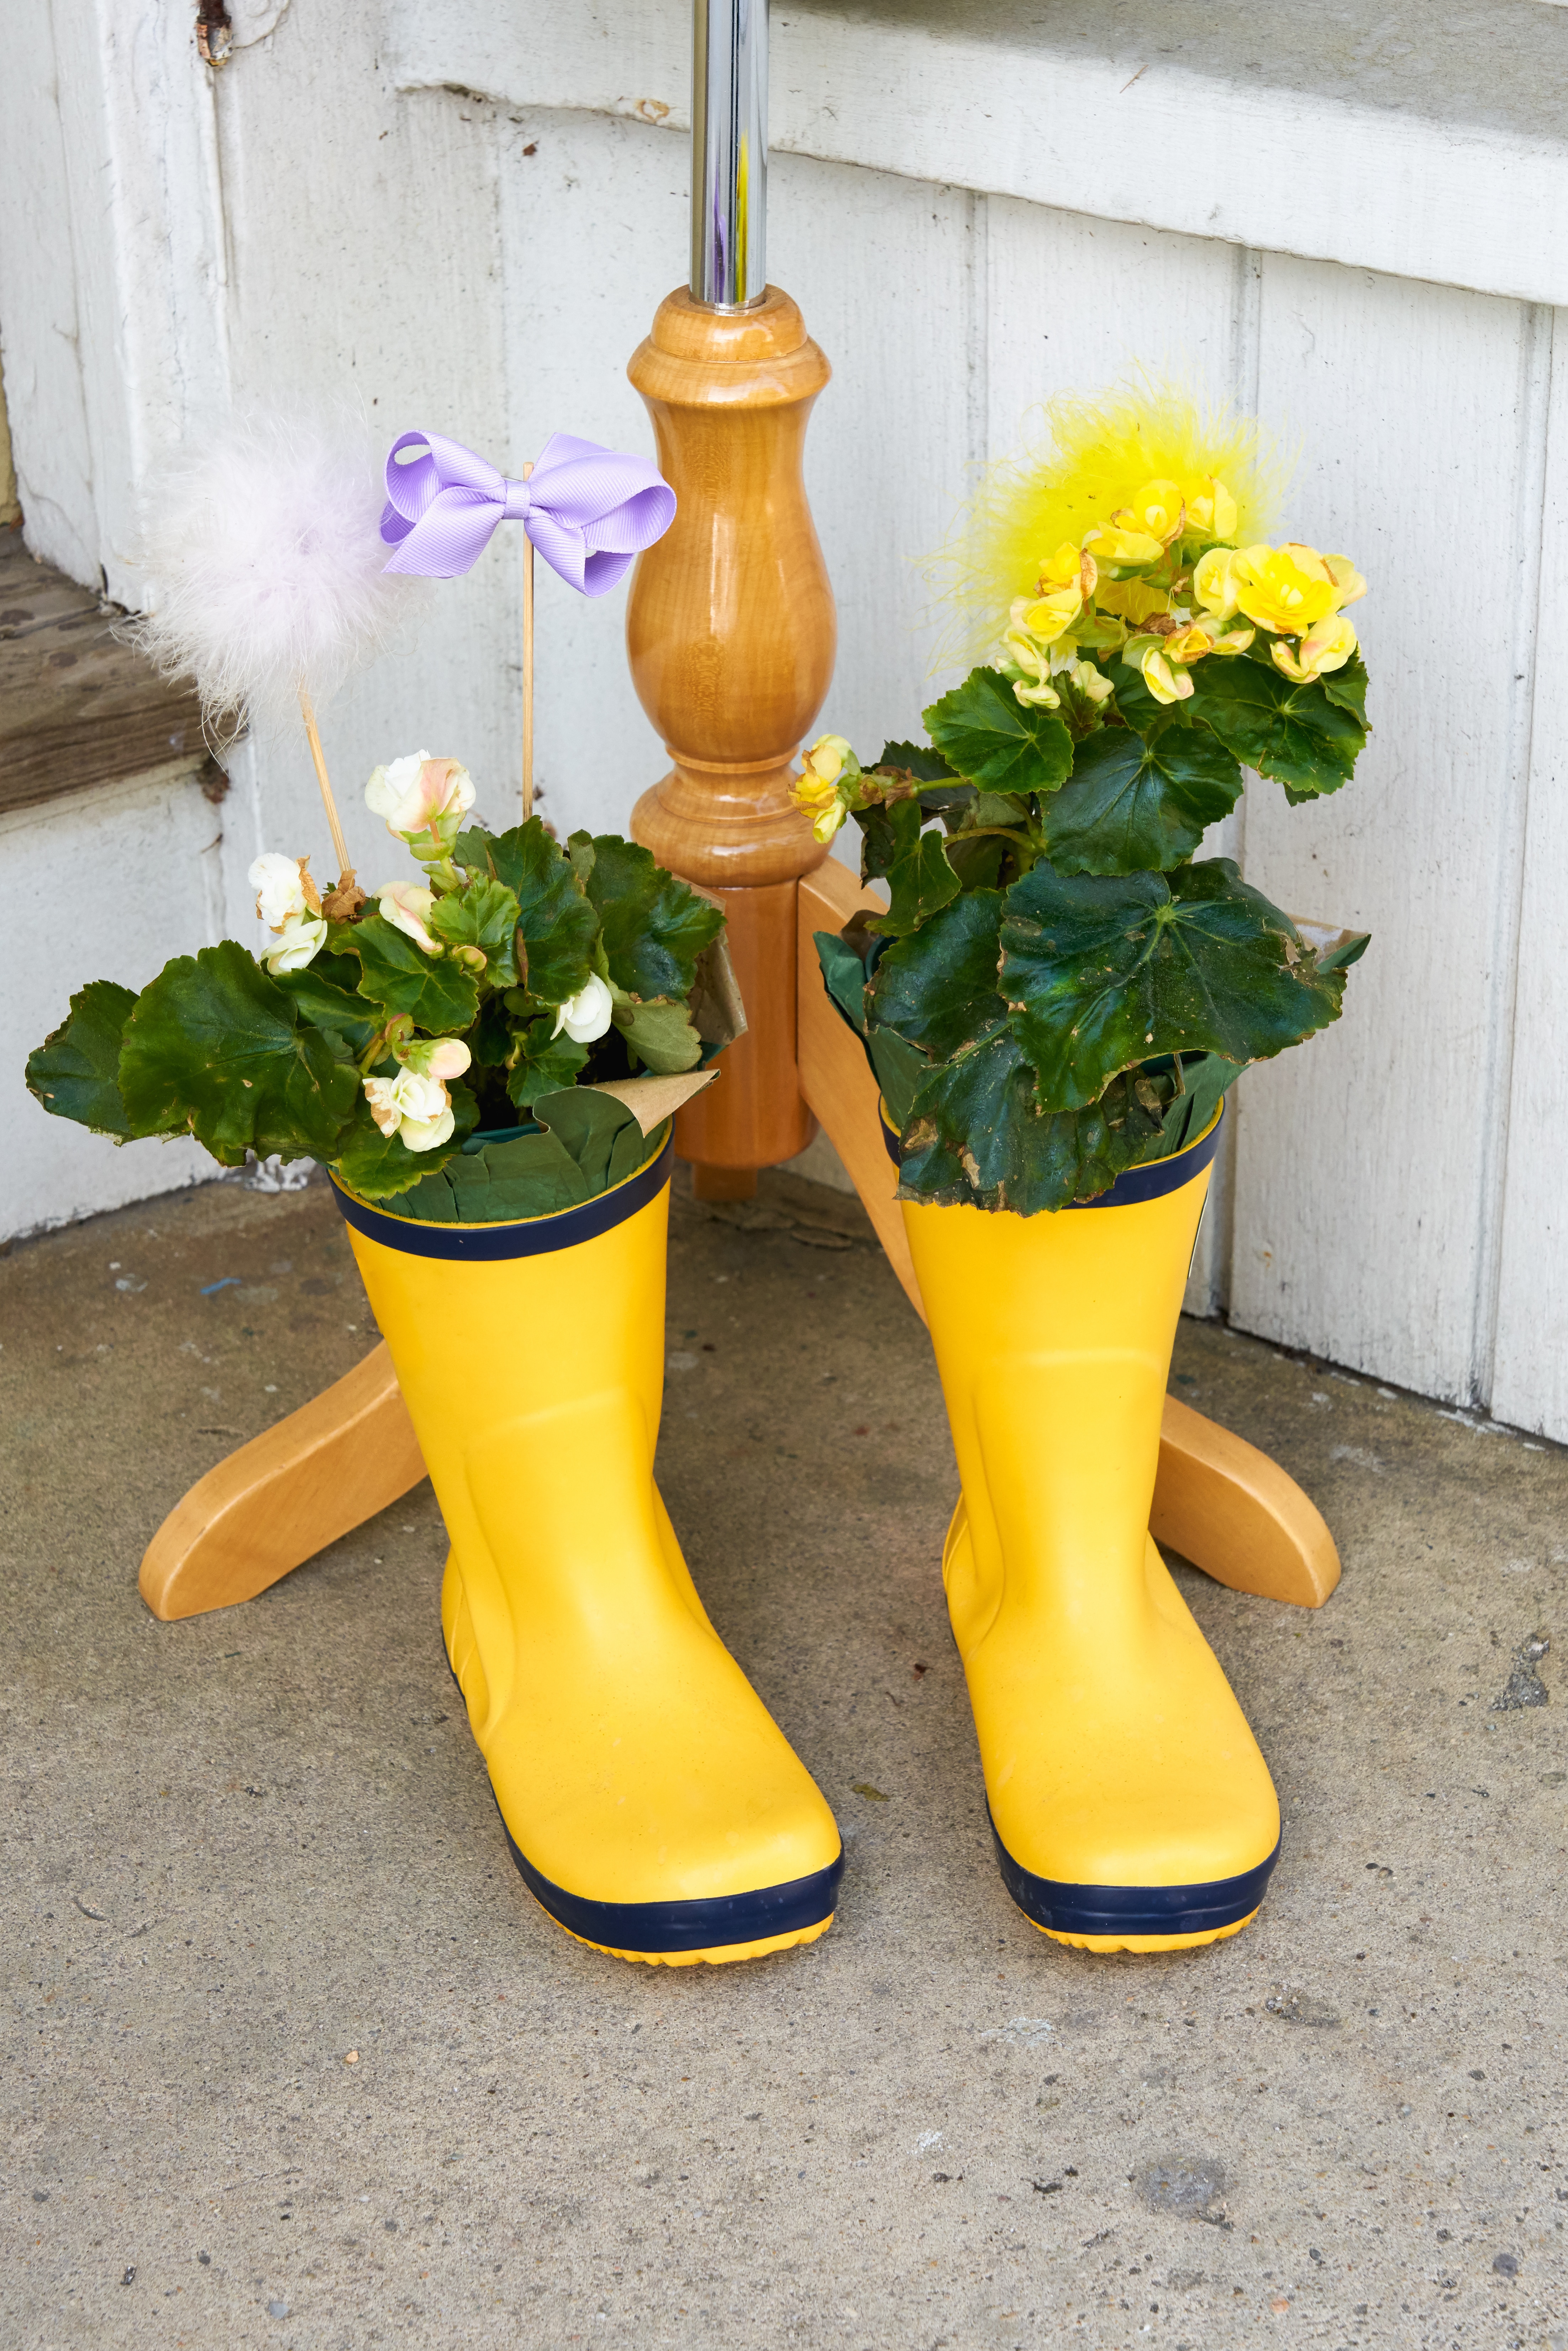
{"points": [[1131, 1807], [652, 1804]]}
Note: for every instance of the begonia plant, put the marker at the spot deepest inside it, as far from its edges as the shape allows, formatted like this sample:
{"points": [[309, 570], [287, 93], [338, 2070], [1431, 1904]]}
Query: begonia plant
{"points": [[377, 1032], [1061, 989]]}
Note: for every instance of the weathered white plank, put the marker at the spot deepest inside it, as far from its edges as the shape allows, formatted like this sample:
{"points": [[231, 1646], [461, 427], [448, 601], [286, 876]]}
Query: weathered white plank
{"points": [[891, 437], [1364, 1167], [38, 306], [1530, 1381], [1425, 142], [136, 112], [137, 865], [390, 297]]}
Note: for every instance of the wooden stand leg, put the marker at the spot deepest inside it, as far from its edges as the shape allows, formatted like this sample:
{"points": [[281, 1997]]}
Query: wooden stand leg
{"points": [[731, 633], [286, 1495], [1218, 1499]]}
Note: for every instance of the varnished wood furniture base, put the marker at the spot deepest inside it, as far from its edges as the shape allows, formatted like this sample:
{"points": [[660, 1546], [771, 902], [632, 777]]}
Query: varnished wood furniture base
{"points": [[1218, 1500], [286, 1495]]}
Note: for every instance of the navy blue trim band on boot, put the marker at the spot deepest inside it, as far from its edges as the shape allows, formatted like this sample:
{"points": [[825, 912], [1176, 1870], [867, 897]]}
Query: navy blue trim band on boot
{"points": [[531, 1237], [1150, 1182], [1067, 1909], [662, 1929]]}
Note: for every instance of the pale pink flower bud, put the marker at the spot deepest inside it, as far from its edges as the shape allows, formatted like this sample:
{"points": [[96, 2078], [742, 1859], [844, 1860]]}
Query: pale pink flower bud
{"points": [[405, 904]]}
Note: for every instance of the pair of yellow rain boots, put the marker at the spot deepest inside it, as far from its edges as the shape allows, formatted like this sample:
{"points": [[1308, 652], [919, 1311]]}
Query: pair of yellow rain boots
{"points": [[651, 1805]]}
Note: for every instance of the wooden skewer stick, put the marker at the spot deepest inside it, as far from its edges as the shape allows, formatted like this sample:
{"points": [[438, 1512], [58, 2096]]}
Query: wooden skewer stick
{"points": [[527, 669], [345, 870]]}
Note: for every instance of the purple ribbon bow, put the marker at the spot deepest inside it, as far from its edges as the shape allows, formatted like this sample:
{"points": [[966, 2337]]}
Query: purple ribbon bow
{"points": [[588, 511]]}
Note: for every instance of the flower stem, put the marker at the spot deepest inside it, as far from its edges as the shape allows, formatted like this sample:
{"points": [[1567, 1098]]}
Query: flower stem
{"points": [[345, 870]]}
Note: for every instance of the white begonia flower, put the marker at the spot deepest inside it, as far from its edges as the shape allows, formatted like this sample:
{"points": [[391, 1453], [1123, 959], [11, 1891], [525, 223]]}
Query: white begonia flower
{"points": [[300, 937], [425, 1134], [405, 904], [279, 891], [412, 1106], [585, 1017], [414, 793]]}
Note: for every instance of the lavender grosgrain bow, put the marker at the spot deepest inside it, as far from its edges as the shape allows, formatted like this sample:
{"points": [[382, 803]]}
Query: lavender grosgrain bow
{"points": [[589, 510]]}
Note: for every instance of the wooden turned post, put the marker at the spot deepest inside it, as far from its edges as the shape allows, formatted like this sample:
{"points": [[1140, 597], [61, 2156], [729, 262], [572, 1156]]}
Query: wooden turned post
{"points": [[731, 634]]}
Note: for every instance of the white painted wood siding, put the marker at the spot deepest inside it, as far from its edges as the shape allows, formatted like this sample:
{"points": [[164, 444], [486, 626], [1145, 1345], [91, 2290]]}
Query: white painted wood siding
{"points": [[485, 264]]}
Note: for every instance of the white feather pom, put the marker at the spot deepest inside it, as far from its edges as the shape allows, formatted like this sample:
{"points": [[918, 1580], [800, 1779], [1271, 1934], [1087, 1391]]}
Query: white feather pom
{"points": [[264, 560]]}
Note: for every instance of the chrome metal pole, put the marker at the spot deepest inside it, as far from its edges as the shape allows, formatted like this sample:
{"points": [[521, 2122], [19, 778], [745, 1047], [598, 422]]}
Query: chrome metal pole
{"points": [[729, 153]]}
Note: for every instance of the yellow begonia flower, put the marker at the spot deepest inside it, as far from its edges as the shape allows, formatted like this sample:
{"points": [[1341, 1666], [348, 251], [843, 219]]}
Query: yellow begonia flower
{"points": [[1133, 599], [1348, 582], [825, 759], [1140, 532], [1184, 646], [1046, 617], [1070, 566], [1284, 589], [1210, 508], [1091, 679], [818, 793], [1328, 644], [1216, 581], [1023, 652], [821, 803], [1166, 683]]}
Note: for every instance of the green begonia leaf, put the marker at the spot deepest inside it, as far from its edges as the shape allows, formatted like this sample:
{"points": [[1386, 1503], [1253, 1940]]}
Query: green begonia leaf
{"points": [[438, 995], [977, 862], [1347, 687], [591, 1142], [916, 759], [490, 1039], [378, 1165], [1296, 734], [600, 1133], [75, 1072], [1137, 705], [215, 1047], [1103, 972], [323, 993], [844, 976], [919, 879], [976, 1132], [1341, 952], [544, 1063], [997, 741], [1206, 1077], [939, 990], [484, 915], [1137, 802], [530, 1176], [659, 1034], [653, 927], [887, 833], [899, 1068], [557, 925]]}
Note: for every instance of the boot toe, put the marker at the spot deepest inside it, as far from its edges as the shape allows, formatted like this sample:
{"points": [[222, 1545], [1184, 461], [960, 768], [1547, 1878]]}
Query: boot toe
{"points": [[1148, 1918], [716, 1928]]}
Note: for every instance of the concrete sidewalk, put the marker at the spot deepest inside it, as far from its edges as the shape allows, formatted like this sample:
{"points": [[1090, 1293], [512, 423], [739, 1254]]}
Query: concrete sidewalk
{"points": [[294, 2059]]}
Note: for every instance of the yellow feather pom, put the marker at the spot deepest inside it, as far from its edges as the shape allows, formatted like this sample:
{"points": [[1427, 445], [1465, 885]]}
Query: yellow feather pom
{"points": [[1096, 454]]}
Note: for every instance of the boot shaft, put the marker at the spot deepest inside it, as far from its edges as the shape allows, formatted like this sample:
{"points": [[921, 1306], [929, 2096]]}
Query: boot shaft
{"points": [[1053, 1335], [534, 1377]]}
